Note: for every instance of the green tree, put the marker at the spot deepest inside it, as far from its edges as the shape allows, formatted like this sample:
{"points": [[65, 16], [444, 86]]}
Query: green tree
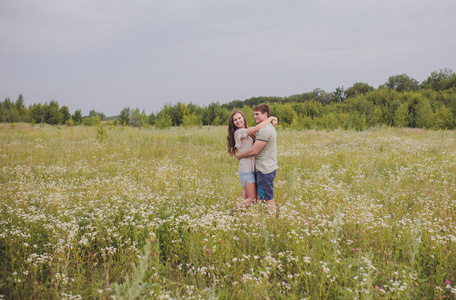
{"points": [[93, 120], [302, 123], [285, 114], [248, 113], [424, 114], [448, 99], [402, 83], [9, 111], [339, 94], [440, 80], [217, 121], [164, 121], [321, 96], [137, 118], [308, 109], [151, 119], [358, 88], [70, 123], [214, 114], [3, 112], [53, 115], [178, 112], [77, 117], [328, 121], [377, 117], [443, 119], [401, 116], [21, 109], [192, 120], [20, 102], [366, 109], [65, 114], [355, 120], [124, 117], [36, 113], [12, 113], [195, 109], [93, 113]]}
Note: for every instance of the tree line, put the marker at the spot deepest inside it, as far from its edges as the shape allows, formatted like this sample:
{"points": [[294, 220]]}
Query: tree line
{"points": [[49, 113], [401, 101]]}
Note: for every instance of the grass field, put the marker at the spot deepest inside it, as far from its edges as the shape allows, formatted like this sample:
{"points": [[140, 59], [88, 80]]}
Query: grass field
{"points": [[89, 213]]}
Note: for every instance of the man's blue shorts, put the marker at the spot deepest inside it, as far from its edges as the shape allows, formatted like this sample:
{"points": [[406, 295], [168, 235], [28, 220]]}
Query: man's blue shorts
{"points": [[265, 185]]}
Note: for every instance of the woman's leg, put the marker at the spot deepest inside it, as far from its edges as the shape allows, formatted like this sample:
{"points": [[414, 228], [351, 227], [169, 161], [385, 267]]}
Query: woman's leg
{"points": [[250, 193]]}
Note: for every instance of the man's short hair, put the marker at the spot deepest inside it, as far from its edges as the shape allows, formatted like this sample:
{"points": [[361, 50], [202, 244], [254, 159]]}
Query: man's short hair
{"points": [[263, 108]]}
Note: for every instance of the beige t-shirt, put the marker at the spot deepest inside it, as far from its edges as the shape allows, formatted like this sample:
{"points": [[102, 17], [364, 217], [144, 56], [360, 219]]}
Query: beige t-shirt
{"points": [[244, 142], [266, 159]]}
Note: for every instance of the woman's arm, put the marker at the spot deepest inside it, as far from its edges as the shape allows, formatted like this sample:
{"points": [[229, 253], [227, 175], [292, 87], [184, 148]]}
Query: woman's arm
{"points": [[252, 130]]}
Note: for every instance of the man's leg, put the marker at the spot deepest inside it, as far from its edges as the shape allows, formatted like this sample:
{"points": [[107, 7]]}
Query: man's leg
{"points": [[265, 184], [272, 207]]}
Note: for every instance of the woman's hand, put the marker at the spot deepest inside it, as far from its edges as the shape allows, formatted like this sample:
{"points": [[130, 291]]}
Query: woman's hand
{"points": [[274, 121]]}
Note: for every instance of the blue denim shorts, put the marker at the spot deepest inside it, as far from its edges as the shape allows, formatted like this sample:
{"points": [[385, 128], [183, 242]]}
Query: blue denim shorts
{"points": [[250, 177], [265, 185]]}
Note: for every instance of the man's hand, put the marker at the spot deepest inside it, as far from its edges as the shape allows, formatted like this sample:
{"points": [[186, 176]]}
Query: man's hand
{"points": [[257, 146]]}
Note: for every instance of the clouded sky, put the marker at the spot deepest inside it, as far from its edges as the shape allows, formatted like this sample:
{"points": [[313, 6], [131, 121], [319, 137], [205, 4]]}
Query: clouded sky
{"points": [[106, 55]]}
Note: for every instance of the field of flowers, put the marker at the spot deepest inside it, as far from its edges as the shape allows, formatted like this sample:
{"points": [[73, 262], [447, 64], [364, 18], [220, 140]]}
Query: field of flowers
{"points": [[126, 213]]}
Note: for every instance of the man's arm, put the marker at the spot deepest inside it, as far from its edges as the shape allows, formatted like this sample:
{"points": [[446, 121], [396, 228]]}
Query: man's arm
{"points": [[257, 146]]}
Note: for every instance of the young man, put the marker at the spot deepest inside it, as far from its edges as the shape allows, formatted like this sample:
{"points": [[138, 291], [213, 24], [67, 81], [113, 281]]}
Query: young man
{"points": [[265, 149]]}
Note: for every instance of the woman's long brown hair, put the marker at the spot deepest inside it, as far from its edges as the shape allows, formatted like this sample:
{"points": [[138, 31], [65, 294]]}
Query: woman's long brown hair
{"points": [[230, 142]]}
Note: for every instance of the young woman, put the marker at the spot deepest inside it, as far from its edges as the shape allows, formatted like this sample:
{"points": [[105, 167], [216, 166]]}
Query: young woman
{"points": [[240, 138]]}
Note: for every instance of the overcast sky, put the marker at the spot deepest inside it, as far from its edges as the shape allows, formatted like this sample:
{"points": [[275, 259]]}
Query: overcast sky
{"points": [[106, 55]]}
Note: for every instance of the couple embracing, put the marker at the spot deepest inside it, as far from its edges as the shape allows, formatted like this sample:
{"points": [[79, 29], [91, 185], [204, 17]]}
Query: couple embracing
{"points": [[256, 150]]}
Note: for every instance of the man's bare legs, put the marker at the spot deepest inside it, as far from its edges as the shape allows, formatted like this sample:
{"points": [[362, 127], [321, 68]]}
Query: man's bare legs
{"points": [[272, 208]]}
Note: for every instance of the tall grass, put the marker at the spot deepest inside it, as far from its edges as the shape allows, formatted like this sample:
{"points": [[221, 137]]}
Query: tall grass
{"points": [[142, 213]]}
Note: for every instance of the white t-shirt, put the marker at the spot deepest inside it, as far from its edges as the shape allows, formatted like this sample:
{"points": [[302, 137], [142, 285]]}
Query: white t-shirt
{"points": [[247, 164]]}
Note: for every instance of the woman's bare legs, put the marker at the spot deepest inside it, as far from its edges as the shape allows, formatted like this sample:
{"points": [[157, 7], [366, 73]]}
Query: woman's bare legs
{"points": [[250, 194]]}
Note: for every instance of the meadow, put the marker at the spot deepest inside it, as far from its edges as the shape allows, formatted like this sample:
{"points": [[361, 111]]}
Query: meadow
{"points": [[128, 213]]}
